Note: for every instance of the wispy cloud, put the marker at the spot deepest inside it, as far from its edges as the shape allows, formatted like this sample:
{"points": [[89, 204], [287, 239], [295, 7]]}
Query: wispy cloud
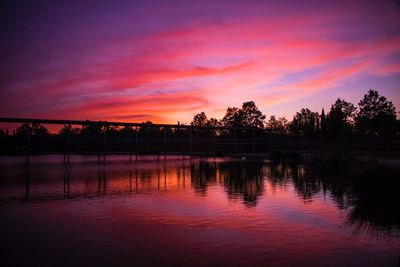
{"points": [[165, 64]]}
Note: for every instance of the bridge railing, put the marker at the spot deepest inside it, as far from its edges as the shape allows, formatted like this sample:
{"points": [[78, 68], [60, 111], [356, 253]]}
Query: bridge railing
{"points": [[167, 139]]}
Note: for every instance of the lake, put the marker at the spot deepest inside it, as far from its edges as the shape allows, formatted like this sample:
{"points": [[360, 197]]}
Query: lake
{"points": [[197, 212]]}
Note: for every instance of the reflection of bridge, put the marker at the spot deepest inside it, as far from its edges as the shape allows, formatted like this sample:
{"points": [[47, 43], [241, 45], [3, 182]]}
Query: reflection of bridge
{"points": [[51, 182], [102, 185], [164, 139]]}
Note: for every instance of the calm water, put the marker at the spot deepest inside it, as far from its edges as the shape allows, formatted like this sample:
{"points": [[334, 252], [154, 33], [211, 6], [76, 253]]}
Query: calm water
{"points": [[198, 212]]}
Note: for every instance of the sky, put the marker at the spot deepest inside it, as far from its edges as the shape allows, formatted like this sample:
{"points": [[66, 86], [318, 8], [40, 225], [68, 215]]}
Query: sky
{"points": [[165, 61]]}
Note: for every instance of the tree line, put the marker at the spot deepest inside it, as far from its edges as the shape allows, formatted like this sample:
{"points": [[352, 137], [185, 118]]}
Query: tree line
{"points": [[375, 116]]}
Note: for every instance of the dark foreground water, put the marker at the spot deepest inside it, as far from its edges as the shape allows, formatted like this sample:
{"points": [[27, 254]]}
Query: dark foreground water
{"points": [[199, 212]]}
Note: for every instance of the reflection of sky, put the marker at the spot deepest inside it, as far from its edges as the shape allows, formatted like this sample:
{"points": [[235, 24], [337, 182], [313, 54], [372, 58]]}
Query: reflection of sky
{"points": [[167, 60], [170, 217]]}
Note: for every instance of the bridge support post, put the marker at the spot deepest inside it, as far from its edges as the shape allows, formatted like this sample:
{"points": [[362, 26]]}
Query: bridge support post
{"points": [[165, 143], [254, 141], [214, 136], [136, 143], [191, 142], [28, 143], [68, 141], [104, 143], [130, 180], [234, 140]]}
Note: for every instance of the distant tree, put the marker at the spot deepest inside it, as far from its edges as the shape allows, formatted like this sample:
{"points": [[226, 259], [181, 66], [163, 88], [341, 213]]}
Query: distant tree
{"points": [[376, 116], [247, 116], [252, 116], [232, 117], [398, 128], [304, 123], [212, 122], [91, 129], [340, 119], [323, 131], [73, 131], [112, 130], [277, 126], [146, 129], [126, 131], [4, 132], [199, 119], [35, 129]]}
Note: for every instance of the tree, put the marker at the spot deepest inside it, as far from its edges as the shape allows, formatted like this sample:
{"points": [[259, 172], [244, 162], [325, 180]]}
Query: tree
{"points": [[72, 131], [247, 116], [323, 123], [213, 122], [91, 129], [304, 123], [35, 129], [127, 131], [251, 115], [232, 117], [340, 119], [199, 119], [146, 129], [376, 116], [277, 126]]}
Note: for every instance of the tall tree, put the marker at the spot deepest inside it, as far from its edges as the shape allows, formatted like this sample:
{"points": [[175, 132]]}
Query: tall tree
{"points": [[340, 119], [212, 122], [323, 123], [199, 119], [376, 116], [251, 115], [304, 123], [91, 129], [35, 129], [277, 126], [232, 117], [247, 116]]}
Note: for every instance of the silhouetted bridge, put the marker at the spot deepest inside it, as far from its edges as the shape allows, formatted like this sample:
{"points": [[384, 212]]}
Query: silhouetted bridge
{"points": [[142, 138]]}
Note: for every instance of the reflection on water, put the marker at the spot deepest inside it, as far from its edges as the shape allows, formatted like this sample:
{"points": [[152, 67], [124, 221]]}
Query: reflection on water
{"points": [[201, 212]]}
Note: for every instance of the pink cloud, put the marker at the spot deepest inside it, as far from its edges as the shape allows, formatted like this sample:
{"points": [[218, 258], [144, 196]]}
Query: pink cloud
{"points": [[206, 64]]}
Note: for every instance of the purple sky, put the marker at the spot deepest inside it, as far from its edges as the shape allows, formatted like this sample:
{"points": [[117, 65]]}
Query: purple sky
{"points": [[167, 60]]}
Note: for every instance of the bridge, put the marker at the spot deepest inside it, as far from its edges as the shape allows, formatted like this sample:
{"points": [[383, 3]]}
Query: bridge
{"points": [[142, 138]]}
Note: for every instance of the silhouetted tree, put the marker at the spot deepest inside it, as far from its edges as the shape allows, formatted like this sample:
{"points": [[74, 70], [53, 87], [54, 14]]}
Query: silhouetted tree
{"points": [[213, 122], [277, 126], [35, 129], [323, 123], [252, 116], [147, 130], [3, 132], [248, 116], [91, 129], [199, 119], [398, 128], [111, 130], [376, 116], [73, 131], [232, 117], [126, 131], [304, 123], [340, 119]]}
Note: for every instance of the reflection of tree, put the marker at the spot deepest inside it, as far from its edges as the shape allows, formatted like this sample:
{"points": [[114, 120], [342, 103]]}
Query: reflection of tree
{"points": [[375, 191], [242, 179], [202, 173], [370, 189]]}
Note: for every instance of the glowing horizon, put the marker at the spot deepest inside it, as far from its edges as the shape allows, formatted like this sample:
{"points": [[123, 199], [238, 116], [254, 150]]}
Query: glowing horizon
{"points": [[165, 61]]}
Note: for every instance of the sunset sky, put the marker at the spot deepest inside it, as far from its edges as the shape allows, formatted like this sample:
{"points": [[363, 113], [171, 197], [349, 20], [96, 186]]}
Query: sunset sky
{"points": [[164, 61]]}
